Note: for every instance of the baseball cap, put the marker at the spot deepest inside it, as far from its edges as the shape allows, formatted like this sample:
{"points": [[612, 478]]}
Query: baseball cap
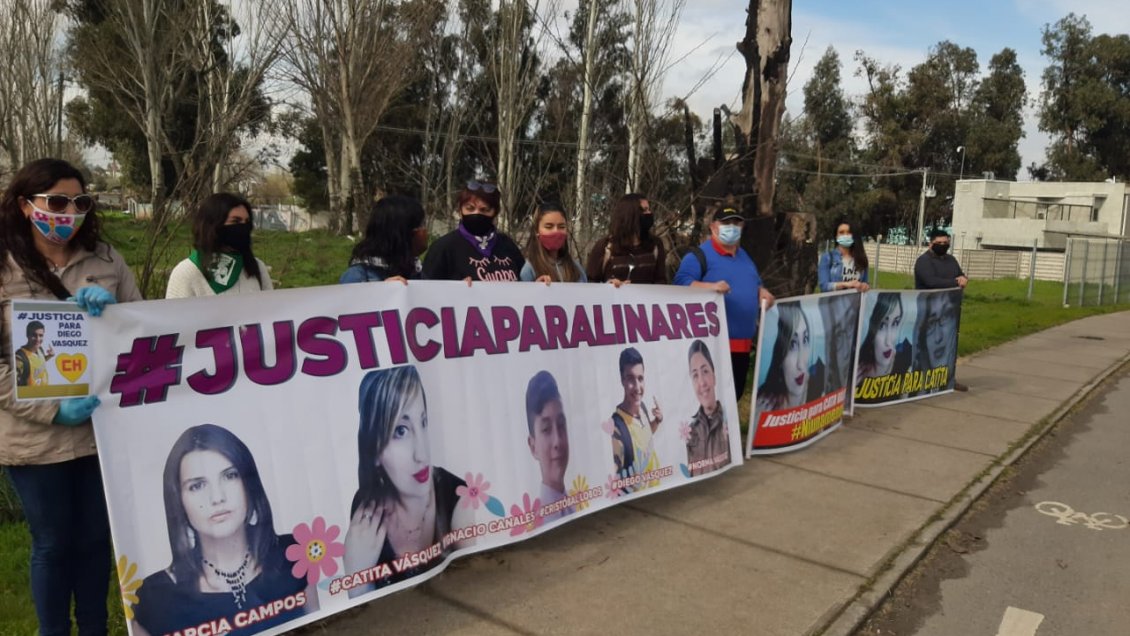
{"points": [[728, 213]]}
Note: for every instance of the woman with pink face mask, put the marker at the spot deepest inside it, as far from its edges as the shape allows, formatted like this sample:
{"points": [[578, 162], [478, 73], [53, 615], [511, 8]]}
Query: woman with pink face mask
{"points": [[51, 249], [548, 257]]}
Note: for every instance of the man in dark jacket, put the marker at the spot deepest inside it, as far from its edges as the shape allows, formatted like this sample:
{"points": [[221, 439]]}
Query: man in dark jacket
{"points": [[937, 269]]}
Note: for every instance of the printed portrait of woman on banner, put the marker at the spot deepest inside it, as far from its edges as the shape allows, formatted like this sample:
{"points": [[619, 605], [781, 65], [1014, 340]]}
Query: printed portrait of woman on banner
{"points": [[227, 559], [840, 313], [792, 379], [936, 338], [885, 352], [404, 504], [708, 444]]}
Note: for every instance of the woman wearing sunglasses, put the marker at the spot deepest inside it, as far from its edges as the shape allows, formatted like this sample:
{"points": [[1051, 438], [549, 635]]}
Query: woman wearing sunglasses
{"points": [[51, 248], [476, 250], [221, 261]]}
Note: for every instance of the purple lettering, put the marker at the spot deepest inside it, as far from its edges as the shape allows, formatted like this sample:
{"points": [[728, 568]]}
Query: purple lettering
{"points": [[697, 317], [635, 318], [712, 318], [507, 327], [678, 316], [532, 333], [659, 328], [394, 336], [450, 337], [362, 325], [222, 342], [602, 337], [254, 354], [556, 324], [476, 335], [332, 353], [582, 330], [416, 317]]}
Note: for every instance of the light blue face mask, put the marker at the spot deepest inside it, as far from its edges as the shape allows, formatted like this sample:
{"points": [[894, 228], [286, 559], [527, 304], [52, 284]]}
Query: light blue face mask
{"points": [[729, 234], [845, 240]]}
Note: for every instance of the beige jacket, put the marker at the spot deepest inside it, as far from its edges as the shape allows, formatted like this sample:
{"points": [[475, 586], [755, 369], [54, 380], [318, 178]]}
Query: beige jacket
{"points": [[27, 435]]}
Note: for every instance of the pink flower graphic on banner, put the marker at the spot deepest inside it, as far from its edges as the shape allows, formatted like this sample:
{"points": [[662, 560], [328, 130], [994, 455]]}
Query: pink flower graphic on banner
{"points": [[609, 490], [530, 508], [607, 426], [685, 431], [314, 553], [474, 494], [128, 585]]}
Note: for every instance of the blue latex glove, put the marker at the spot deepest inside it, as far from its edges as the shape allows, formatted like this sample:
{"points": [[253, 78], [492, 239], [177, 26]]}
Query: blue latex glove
{"points": [[93, 298], [75, 411]]}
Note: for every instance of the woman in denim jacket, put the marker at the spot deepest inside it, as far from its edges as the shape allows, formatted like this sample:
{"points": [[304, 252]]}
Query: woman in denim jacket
{"points": [[844, 266]]}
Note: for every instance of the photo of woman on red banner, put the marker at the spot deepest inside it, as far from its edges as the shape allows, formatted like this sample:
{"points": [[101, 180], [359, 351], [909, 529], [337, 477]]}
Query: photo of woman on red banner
{"points": [[791, 366], [404, 504], [227, 558], [840, 313]]}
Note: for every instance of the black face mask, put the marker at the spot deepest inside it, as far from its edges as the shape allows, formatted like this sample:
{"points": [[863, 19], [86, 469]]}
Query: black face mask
{"points": [[646, 222], [236, 236], [940, 248], [478, 224]]}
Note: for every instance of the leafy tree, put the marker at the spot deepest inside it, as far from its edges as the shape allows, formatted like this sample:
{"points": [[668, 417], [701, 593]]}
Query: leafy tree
{"points": [[997, 119]]}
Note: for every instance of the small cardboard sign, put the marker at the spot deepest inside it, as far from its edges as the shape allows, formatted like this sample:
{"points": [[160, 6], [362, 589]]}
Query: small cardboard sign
{"points": [[50, 349]]}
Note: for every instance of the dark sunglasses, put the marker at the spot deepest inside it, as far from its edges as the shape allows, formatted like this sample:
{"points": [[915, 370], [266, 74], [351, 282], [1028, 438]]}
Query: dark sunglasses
{"points": [[478, 186], [58, 203]]}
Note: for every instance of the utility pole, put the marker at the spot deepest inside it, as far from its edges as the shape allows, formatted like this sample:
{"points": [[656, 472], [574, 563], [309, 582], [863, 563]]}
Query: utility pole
{"points": [[921, 209]]}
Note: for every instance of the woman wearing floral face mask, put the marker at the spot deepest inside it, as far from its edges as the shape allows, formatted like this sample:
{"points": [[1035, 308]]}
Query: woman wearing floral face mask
{"points": [[476, 250], [844, 266], [50, 246], [221, 261], [548, 257]]}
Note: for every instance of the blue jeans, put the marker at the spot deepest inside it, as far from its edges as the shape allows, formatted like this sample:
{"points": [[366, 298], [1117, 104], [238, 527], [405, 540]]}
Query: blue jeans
{"points": [[70, 543]]}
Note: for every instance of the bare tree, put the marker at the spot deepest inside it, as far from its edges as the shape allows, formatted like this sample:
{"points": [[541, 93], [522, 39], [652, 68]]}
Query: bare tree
{"points": [[30, 81], [582, 218], [654, 24], [513, 67], [353, 57]]}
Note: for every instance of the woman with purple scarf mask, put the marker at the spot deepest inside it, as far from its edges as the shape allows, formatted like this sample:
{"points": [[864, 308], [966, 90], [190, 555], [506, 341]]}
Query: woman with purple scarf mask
{"points": [[476, 250]]}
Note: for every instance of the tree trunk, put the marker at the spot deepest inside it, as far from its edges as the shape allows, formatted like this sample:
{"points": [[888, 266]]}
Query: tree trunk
{"points": [[582, 216]]}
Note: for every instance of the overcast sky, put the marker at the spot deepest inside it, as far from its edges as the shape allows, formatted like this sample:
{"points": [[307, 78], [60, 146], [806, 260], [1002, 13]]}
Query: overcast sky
{"points": [[892, 32]]}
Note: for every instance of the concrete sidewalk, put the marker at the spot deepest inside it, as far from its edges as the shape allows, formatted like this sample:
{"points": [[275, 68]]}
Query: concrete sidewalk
{"points": [[803, 543]]}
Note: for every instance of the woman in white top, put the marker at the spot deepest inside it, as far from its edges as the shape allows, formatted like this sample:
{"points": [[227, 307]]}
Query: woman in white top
{"points": [[221, 261]]}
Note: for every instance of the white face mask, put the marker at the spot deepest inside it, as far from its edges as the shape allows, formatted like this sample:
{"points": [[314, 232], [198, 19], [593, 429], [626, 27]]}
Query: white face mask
{"points": [[56, 228], [729, 234]]}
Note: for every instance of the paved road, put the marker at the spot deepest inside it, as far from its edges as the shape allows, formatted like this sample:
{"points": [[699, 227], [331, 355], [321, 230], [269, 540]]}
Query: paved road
{"points": [[1051, 542]]}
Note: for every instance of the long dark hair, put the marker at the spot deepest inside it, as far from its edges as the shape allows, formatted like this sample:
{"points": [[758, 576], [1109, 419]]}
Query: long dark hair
{"points": [[624, 228], [539, 258], [17, 234], [789, 319], [187, 566], [388, 235], [856, 250], [382, 396], [210, 216], [883, 306]]}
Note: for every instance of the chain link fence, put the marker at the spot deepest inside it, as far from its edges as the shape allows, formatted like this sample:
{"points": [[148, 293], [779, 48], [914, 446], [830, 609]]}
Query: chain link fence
{"points": [[1097, 272]]}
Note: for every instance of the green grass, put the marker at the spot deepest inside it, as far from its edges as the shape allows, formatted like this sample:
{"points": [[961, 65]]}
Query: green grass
{"points": [[993, 312]]}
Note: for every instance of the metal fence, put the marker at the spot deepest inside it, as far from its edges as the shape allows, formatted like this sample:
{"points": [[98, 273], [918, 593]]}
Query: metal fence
{"points": [[1097, 272], [978, 264]]}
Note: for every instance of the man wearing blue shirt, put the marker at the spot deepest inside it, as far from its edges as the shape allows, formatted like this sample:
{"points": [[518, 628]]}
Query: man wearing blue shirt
{"points": [[722, 265]]}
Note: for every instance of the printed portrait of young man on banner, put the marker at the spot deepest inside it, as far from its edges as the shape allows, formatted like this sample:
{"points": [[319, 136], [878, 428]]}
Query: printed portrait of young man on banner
{"points": [[908, 347], [805, 357]]}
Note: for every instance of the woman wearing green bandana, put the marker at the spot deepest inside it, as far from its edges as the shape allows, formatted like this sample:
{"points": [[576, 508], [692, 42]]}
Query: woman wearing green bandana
{"points": [[221, 261]]}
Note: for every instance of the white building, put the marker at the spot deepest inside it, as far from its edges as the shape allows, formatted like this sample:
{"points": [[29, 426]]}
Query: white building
{"points": [[989, 213]]}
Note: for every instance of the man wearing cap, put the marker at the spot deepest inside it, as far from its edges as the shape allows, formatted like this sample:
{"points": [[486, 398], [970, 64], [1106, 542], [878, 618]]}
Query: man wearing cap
{"points": [[722, 265]]}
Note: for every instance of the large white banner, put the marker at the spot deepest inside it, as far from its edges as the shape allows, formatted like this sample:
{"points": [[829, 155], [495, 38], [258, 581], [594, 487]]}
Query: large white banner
{"points": [[275, 458]]}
